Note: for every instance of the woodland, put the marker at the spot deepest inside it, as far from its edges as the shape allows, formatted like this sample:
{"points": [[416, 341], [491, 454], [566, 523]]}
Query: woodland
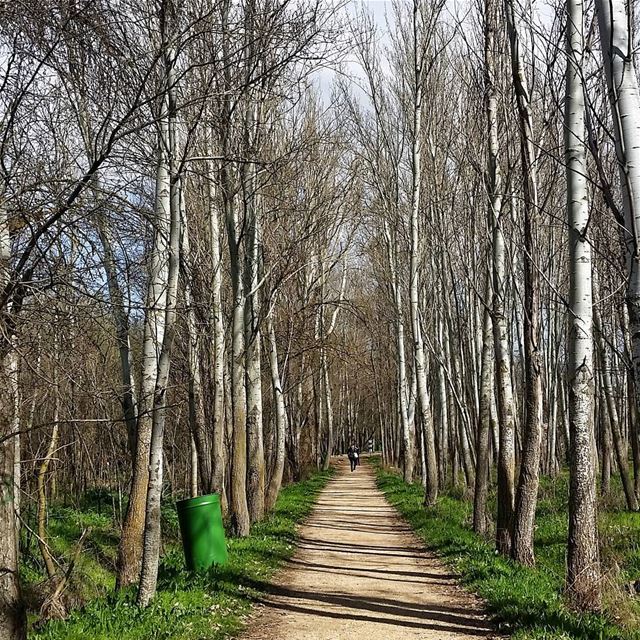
{"points": [[237, 236]]}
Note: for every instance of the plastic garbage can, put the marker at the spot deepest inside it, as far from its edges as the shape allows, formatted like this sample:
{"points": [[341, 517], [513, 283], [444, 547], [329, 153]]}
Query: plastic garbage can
{"points": [[202, 532]]}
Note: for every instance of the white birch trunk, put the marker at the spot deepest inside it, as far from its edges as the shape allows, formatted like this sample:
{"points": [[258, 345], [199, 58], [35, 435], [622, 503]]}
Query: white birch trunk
{"points": [[480, 519], [326, 333], [131, 541], [280, 416], [218, 444], [167, 156], [583, 562], [624, 97], [199, 434], [431, 487], [402, 392], [504, 391], [239, 509], [255, 439]]}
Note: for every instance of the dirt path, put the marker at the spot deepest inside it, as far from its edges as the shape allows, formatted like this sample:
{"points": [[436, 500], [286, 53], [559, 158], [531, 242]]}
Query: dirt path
{"points": [[360, 574]]}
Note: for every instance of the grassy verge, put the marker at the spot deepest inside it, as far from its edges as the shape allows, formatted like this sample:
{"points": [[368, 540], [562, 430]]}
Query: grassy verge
{"points": [[188, 606], [528, 602]]}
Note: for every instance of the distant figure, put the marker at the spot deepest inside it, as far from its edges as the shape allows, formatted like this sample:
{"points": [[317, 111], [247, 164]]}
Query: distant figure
{"points": [[353, 454]]}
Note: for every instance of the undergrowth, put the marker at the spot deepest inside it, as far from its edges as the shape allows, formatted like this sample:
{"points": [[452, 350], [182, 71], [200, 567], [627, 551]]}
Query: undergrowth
{"points": [[187, 606], [529, 603]]}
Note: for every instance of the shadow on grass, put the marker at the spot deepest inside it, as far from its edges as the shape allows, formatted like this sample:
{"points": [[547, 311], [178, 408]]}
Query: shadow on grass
{"points": [[190, 606], [527, 602]]}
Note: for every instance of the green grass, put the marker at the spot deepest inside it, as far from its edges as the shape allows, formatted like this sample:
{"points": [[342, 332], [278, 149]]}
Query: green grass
{"points": [[192, 606], [93, 575], [529, 602]]}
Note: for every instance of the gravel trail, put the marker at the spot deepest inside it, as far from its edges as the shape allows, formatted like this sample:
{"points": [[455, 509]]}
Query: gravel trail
{"points": [[359, 573]]}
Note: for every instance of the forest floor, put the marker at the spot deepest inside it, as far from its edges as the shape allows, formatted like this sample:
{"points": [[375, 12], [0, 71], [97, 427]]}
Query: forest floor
{"points": [[360, 572], [529, 603], [187, 606]]}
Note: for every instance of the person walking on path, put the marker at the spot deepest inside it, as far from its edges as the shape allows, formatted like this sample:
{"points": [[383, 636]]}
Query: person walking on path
{"points": [[354, 456]]}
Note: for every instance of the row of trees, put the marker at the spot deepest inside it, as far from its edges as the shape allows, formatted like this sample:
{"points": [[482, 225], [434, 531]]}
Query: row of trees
{"points": [[173, 265], [498, 151], [213, 276]]}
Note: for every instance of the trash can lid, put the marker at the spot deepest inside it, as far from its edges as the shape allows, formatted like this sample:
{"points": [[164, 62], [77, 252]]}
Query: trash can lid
{"points": [[199, 501]]}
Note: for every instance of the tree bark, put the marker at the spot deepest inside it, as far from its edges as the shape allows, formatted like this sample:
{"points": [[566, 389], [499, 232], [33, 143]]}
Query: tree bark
{"points": [[218, 444], [13, 619], [402, 387], [238, 507], [583, 561], [431, 480], [131, 541], [280, 417], [624, 99], [504, 392], [255, 440], [152, 531], [529, 478], [480, 516], [14, 388], [199, 434]]}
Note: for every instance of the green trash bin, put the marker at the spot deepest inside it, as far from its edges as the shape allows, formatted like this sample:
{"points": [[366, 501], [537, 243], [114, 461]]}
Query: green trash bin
{"points": [[202, 532]]}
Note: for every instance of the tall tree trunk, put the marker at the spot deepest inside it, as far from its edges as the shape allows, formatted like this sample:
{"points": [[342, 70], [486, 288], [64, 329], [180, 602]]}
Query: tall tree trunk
{"points": [[328, 403], [14, 388], [504, 392], [402, 390], [280, 416], [238, 507], [480, 519], [131, 540], [199, 433], [583, 562], [624, 98], [255, 440], [13, 620], [152, 531], [325, 332], [218, 444], [431, 486], [529, 478]]}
